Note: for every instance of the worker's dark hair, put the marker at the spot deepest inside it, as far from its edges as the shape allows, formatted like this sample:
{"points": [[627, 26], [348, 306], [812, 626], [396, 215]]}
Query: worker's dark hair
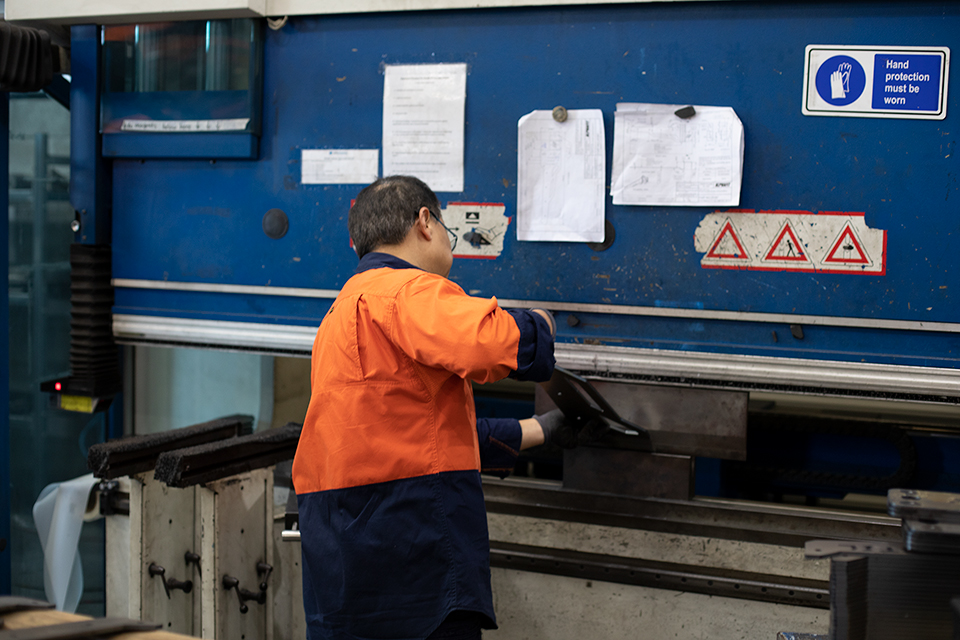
{"points": [[385, 211]]}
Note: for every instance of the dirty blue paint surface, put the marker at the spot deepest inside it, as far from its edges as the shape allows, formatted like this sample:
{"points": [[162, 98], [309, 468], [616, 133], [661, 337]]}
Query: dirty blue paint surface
{"points": [[197, 221]]}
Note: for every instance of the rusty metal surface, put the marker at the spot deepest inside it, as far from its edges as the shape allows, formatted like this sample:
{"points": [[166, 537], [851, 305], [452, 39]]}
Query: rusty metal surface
{"points": [[725, 519], [625, 472]]}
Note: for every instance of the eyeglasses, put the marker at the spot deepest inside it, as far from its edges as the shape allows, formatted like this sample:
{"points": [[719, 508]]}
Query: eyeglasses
{"points": [[453, 236]]}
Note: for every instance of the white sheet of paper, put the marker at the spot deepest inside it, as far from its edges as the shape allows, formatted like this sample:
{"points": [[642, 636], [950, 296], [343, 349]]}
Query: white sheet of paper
{"points": [[661, 159], [561, 168], [423, 111], [339, 166]]}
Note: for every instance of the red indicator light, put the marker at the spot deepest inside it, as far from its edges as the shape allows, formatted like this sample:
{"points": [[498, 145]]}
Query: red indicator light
{"points": [[57, 386]]}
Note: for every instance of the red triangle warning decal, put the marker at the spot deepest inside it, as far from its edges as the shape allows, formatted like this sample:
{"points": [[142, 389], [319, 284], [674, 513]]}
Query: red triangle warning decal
{"points": [[727, 245], [786, 247], [847, 249]]}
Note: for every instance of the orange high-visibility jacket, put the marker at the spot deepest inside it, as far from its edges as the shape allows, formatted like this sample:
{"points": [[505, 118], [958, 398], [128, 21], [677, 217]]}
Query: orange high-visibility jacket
{"points": [[392, 521]]}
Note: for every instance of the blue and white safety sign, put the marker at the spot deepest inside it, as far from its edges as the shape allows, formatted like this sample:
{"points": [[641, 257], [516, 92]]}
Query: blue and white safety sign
{"points": [[876, 82]]}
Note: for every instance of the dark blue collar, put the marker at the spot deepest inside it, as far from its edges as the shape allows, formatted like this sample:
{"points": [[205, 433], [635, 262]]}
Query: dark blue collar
{"points": [[376, 260]]}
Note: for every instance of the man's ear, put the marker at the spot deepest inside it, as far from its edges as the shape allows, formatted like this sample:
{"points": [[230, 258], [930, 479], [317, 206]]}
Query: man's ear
{"points": [[423, 223]]}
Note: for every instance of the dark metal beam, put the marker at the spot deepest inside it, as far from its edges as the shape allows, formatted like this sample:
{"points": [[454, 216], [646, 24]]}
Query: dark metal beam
{"points": [[662, 575], [725, 519]]}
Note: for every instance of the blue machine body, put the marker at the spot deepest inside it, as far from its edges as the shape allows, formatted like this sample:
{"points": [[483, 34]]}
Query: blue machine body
{"points": [[199, 221]]}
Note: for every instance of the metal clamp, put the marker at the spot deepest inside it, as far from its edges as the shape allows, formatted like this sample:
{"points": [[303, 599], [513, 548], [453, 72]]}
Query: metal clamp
{"points": [[264, 569], [169, 583], [193, 558], [260, 597]]}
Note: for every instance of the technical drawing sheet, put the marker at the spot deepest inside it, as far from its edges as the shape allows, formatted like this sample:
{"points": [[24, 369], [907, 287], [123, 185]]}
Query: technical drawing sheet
{"points": [[561, 168], [662, 159]]}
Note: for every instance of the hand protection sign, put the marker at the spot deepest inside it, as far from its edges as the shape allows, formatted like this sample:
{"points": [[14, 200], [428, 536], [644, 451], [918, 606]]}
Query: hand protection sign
{"points": [[876, 82]]}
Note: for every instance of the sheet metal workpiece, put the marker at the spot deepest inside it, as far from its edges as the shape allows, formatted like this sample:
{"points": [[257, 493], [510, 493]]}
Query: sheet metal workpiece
{"points": [[924, 505], [695, 422], [673, 423], [931, 537], [884, 592], [931, 519], [677, 420]]}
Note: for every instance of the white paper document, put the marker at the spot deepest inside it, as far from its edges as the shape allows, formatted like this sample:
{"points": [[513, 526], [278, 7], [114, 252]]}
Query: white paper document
{"points": [[561, 168], [662, 159], [339, 166], [423, 111]]}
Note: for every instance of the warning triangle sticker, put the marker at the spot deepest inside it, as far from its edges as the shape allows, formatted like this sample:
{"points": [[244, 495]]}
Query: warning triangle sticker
{"points": [[786, 247], [727, 245], [847, 249]]}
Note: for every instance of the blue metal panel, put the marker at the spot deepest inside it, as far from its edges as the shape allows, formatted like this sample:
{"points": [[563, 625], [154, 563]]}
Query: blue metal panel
{"points": [[4, 353], [180, 145], [89, 179], [200, 222]]}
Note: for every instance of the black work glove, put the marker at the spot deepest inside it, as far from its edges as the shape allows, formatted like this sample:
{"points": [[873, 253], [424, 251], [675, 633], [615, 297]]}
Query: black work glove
{"points": [[557, 430]]}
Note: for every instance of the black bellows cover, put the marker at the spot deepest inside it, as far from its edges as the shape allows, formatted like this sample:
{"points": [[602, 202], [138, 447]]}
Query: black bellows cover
{"points": [[27, 62], [94, 359]]}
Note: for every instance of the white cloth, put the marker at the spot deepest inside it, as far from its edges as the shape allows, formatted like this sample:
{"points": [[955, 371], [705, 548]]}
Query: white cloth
{"points": [[59, 514]]}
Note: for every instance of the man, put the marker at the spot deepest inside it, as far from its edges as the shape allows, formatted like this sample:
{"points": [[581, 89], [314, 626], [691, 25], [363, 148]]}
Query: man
{"points": [[392, 520]]}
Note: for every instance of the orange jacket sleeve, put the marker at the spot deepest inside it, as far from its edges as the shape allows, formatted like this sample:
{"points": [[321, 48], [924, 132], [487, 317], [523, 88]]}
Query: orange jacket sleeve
{"points": [[438, 325]]}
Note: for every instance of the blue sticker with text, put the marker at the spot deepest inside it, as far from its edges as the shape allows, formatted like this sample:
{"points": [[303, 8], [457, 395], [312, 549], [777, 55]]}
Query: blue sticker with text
{"points": [[907, 82]]}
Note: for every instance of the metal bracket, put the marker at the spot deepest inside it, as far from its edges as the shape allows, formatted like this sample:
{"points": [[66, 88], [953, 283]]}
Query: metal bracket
{"points": [[113, 501]]}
